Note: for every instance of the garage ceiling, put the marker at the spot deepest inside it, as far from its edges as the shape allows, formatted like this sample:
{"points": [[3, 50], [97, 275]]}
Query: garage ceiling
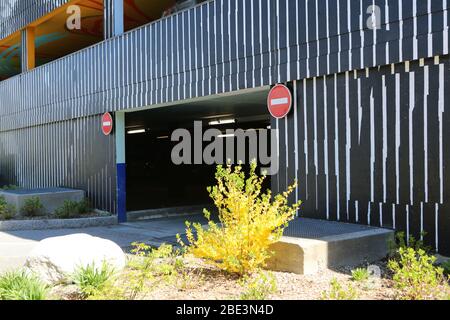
{"points": [[249, 105]]}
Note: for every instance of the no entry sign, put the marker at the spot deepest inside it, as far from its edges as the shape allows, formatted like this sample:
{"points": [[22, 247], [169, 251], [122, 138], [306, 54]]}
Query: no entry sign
{"points": [[279, 101], [107, 124]]}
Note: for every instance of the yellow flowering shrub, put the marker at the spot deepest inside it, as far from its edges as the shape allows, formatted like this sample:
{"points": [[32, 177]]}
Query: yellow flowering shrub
{"points": [[250, 221]]}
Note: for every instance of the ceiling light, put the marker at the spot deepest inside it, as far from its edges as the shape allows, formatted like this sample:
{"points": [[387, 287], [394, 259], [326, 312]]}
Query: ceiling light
{"points": [[136, 131], [231, 135], [221, 122]]}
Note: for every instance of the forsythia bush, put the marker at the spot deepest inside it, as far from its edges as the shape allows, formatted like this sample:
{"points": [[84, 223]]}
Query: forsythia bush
{"points": [[250, 221]]}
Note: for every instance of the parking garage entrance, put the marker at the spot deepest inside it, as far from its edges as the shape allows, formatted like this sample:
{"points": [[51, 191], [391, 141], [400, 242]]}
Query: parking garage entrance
{"points": [[154, 181]]}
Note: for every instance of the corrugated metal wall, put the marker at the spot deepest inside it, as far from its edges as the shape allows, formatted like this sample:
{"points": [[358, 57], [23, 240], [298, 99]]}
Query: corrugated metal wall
{"points": [[72, 154], [223, 46], [373, 148]]}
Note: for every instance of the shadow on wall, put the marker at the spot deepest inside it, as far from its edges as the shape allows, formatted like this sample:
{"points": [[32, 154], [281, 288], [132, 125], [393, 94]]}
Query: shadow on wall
{"points": [[7, 169]]}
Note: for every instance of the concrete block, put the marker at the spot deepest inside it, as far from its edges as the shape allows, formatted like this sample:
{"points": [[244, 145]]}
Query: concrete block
{"points": [[51, 199], [360, 247], [300, 256], [309, 256]]}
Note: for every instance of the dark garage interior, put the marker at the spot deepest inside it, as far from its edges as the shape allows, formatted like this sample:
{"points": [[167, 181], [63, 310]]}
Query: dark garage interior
{"points": [[153, 181]]}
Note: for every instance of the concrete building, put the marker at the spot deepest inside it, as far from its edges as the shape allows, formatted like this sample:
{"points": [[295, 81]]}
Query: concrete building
{"points": [[367, 137]]}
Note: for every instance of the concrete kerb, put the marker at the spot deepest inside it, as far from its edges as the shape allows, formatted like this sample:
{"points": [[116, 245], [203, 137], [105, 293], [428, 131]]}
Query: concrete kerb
{"points": [[167, 213], [48, 224]]}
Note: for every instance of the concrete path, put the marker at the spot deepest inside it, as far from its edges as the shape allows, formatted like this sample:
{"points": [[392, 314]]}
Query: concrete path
{"points": [[16, 245]]}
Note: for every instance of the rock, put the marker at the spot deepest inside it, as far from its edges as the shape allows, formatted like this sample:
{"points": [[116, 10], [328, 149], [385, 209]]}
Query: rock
{"points": [[54, 260], [66, 292]]}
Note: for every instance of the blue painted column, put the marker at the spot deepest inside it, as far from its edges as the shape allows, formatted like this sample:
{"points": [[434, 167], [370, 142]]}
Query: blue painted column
{"points": [[114, 26], [121, 167]]}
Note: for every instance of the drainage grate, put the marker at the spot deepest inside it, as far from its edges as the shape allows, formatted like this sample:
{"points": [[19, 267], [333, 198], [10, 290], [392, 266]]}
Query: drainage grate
{"points": [[316, 229], [298, 228]]}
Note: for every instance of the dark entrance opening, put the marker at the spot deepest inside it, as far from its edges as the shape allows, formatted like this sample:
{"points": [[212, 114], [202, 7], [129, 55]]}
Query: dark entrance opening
{"points": [[153, 180]]}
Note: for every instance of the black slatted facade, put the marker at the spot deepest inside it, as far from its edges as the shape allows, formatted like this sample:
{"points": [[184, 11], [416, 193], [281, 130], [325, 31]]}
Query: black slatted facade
{"points": [[367, 139], [371, 147], [223, 46]]}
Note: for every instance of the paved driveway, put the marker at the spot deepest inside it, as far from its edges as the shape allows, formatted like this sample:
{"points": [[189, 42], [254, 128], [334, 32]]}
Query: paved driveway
{"points": [[16, 245]]}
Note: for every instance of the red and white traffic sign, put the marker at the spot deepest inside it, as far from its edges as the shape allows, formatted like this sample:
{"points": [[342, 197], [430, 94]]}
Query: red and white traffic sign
{"points": [[279, 101], [107, 124]]}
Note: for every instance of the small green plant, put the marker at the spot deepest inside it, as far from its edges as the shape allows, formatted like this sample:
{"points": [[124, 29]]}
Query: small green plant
{"points": [[360, 274], [146, 269], [401, 241], [259, 287], [9, 187], [72, 209], [161, 261], [91, 279], [338, 292], [415, 275], [3, 203], [251, 220], [68, 210], [84, 207], [32, 207], [190, 279], [19, 285], [446, 267], [7, 211], [112, 290]]}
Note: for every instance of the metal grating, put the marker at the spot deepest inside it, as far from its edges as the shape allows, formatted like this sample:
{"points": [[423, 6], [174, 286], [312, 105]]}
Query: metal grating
{"points": [[316, 229], [299, 228]]}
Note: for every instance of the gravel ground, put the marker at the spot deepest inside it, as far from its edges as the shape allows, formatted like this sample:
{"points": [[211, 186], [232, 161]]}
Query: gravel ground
{"points": [[300, 287], [211, 284], [203, 282]]}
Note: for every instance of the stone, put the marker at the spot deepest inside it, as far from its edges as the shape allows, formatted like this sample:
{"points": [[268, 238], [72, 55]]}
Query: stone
{"points": [[54, 260], [66, 292]]}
